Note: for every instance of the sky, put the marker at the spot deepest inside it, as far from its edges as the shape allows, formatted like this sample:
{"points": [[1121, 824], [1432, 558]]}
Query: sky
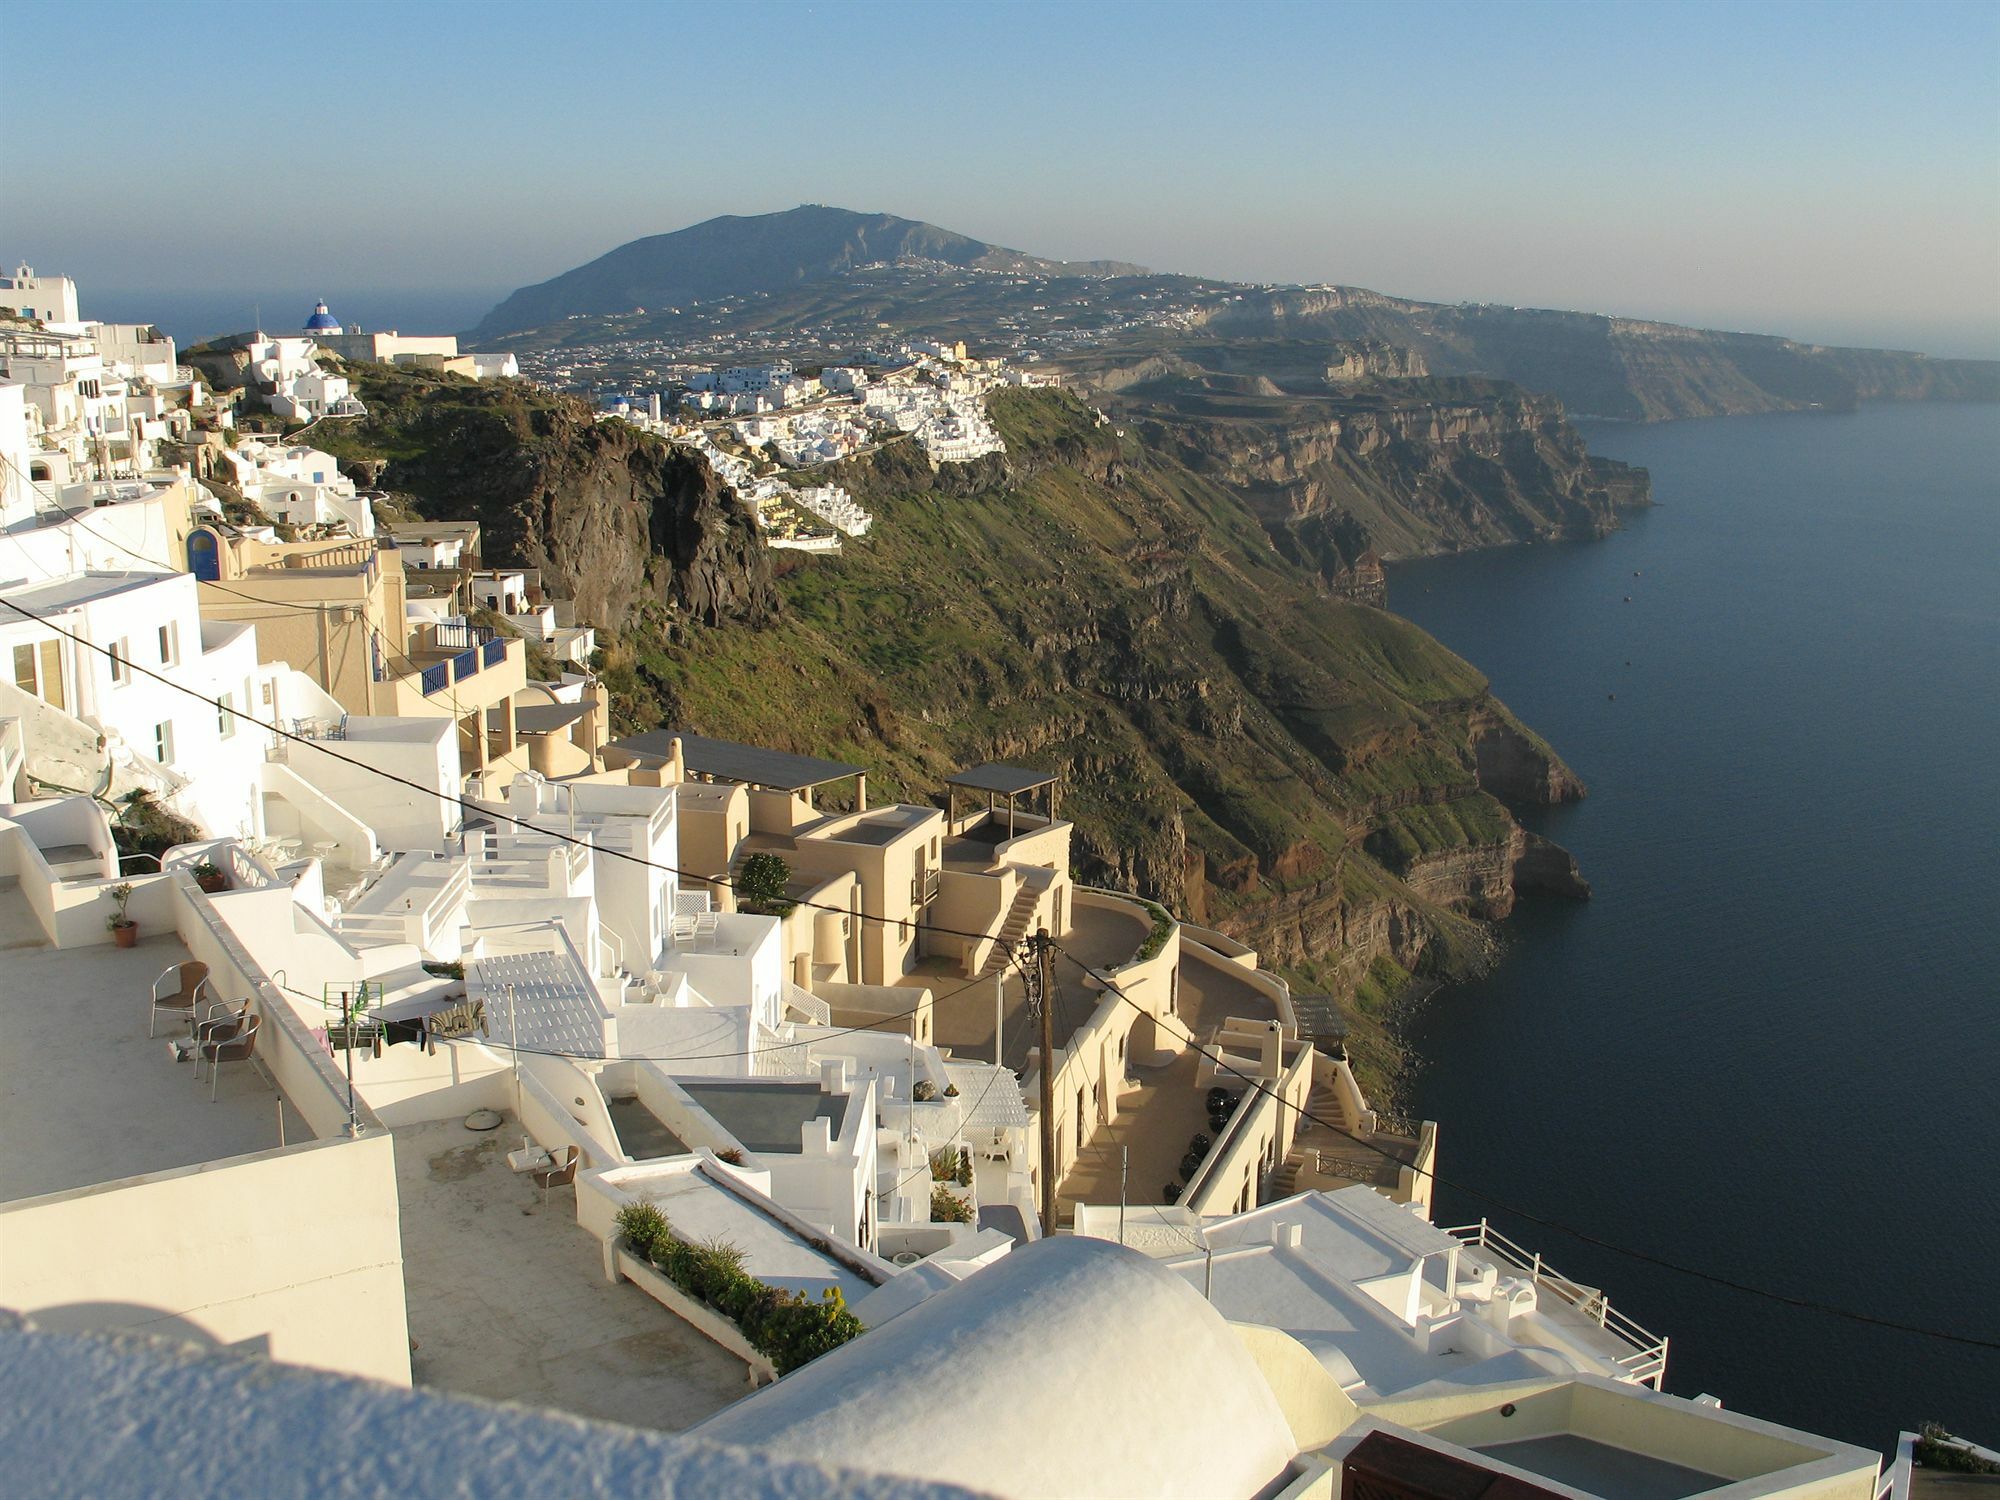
{"points": [[1828, 171]]}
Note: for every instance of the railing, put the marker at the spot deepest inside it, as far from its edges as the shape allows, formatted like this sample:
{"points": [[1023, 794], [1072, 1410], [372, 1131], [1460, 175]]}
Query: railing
{"points": [[815, 1010], [773, 1057], [924, 887], [493, 652], [464, 665], [1646, 1365], [1399, 1125], [435, 679], [449, 635]]}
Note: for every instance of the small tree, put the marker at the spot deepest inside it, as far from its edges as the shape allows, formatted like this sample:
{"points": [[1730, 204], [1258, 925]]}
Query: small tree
{"points": [[761, 886]]}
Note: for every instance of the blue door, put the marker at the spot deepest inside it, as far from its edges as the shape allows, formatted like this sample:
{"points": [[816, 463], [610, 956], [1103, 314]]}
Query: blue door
{"points": [[203, 561]]}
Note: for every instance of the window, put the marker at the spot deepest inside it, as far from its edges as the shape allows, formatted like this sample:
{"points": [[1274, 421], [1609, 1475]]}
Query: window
{"points": [[225, 714], [163, 743], [121, 661], [170, 655], [24, 668]]}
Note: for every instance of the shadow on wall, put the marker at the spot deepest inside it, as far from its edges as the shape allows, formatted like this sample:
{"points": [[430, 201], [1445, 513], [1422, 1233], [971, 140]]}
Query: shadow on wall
{"points": [[140, 1318]]}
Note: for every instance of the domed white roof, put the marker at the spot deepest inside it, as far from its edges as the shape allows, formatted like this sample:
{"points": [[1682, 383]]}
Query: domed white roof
{"points": [[1071, 1367]]}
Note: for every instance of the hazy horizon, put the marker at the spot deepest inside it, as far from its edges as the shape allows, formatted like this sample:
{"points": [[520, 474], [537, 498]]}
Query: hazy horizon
{"points": [[1830, 172]]}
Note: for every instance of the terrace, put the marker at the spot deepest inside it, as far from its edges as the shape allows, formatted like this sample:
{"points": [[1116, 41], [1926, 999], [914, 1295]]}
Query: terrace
{"points": [[508, 1299], [1167, 1106], [86, 1096], [964, 1022]]}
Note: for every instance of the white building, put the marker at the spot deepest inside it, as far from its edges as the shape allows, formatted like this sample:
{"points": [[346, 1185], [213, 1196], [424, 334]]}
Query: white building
{"points": [[90, 713], [299, 485], [50, 298]]}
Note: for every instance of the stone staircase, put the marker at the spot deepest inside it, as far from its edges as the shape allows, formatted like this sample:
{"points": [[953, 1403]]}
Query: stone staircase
{"points": [[1012, 930], [1324, 1104]]}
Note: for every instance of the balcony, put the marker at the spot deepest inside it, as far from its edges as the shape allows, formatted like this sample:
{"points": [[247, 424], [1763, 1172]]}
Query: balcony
{"points": [[476, 676], [1584, 1312]]}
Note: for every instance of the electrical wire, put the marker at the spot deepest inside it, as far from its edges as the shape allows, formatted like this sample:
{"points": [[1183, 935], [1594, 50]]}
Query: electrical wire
{"points": [[322, 747], [1543, 1221]]}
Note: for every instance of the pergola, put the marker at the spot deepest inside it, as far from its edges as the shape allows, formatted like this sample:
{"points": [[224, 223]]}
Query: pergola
{"points": [[706, 759], [999, 781]]}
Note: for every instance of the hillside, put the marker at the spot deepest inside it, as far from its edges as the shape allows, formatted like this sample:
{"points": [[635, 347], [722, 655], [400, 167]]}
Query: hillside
{"points": [[732, 255], [1313, 774]]}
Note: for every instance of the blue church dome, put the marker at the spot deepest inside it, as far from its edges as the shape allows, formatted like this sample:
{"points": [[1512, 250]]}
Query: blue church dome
{"points": [[322, 321]]}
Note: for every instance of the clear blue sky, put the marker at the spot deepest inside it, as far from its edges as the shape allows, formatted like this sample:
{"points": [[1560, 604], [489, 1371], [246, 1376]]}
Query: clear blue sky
{"points": [[1828, 170]]}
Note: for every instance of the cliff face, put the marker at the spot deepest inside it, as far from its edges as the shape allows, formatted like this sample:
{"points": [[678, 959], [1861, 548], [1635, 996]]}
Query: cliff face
{"points": [[612, 517], [1421, 467], [1233, 738]]}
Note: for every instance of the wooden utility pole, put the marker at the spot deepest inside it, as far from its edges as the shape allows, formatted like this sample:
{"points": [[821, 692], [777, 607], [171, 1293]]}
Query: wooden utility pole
{"points": [[1042, 998]]}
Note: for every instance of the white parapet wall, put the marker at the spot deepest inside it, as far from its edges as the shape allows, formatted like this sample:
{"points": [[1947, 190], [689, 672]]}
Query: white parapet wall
{"points": [[295, 1253]]}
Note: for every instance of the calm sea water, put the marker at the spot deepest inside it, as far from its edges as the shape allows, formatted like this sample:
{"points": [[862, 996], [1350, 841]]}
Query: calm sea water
{"points": [[1770, 1047], [189, 316]]}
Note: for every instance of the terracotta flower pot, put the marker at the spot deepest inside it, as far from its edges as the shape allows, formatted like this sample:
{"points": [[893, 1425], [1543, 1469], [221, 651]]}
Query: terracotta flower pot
{"points": [[212, 883], [125, 935]]}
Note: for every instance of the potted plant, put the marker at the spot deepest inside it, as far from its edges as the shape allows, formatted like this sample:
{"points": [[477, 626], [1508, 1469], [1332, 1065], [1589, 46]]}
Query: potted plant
{"points": [[124, 931], [209, 876]]}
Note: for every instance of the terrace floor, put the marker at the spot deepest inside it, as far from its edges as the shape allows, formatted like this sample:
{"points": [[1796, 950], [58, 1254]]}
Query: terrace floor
{"points": [[508, 1300], [1101, 938], [85, 1095], [1159, 1117]]}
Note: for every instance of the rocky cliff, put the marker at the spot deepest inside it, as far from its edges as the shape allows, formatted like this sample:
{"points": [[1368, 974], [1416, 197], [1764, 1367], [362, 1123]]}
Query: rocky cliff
{"points": [[613, 518], [1408, 468]]}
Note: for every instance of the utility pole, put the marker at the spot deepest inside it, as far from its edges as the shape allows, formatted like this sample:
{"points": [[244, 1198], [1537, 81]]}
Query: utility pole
{"points": [[1042, 999]]}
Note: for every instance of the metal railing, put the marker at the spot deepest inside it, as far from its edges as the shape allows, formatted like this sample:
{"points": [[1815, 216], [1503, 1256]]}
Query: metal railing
{"points": [[435, 679], [464, 665], [493, 652], [1646, 1365]]}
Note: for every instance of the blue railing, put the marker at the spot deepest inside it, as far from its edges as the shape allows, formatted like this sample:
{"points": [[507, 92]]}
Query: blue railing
{"points": [[464, 665], [494, 652], [436, 679]]}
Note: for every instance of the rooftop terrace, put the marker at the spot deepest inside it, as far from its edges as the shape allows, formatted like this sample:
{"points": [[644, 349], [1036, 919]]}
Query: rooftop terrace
{"points": [[85, 1095], [508, 1299]]}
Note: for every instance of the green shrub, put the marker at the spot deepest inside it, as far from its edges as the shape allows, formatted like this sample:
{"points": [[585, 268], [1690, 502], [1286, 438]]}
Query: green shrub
{"points": [[1937, 1449], [761, 886], [644, 1228], [1163, 925], [947, 1207], [786, 1328]]}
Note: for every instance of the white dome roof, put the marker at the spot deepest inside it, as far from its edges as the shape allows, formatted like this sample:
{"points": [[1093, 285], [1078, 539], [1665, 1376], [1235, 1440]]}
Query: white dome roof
{"points": [[1071, 1367]]}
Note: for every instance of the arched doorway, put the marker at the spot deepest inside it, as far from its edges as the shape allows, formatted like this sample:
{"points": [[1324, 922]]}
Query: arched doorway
{"points": [[204, 558]]}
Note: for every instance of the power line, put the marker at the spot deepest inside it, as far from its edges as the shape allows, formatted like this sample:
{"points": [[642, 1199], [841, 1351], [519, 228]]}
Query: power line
{"points": [[1543, 1221], [322, 747]]}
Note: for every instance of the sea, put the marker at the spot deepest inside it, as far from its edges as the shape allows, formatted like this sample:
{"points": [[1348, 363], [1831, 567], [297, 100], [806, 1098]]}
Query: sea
{"points": [[190, 315], [1768, 1049]]}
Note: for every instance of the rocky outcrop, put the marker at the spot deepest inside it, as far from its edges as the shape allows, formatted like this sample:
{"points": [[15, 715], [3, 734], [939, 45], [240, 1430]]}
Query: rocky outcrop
{"points": [[1515, 766], [1541, 865], [611, 516]]}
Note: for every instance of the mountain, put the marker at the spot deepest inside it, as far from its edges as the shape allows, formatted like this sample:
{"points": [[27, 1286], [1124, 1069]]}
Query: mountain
{"points": [[731, 256]]}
